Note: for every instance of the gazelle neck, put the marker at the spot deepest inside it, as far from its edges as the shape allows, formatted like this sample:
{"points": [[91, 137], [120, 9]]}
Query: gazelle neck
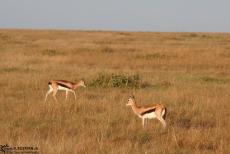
{"points": [[76, 85], [134, 108]]}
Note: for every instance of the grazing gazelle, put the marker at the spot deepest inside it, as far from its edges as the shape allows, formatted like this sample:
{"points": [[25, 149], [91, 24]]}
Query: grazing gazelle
{"points": [[157, 111], [67, 86]]}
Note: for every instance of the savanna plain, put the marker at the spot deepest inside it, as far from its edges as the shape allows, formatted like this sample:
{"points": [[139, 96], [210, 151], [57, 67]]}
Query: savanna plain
{"points": [[189, 73]]}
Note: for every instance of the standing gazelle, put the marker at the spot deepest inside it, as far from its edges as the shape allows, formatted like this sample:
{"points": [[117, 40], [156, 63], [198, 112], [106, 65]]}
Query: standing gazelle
{"points": [[67, 86], [157, 111]]}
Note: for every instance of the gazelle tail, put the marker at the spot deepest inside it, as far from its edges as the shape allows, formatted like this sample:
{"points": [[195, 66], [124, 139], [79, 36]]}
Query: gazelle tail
{"points": [[164, 112]]}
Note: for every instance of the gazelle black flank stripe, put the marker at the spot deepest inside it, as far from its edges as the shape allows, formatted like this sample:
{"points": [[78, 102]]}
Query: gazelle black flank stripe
{"points": [[148, 111], [59, 84], [63, 85]]}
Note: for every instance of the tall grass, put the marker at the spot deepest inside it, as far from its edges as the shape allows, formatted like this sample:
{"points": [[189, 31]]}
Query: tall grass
{"points": [[187, 72]]}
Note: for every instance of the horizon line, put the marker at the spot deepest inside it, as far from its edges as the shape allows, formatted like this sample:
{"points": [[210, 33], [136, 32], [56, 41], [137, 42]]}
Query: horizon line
{"points": [[105, 30]]}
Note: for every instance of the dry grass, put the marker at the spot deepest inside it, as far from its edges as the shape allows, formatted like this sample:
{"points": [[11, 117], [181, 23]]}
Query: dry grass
{"points": [[187, 72]]}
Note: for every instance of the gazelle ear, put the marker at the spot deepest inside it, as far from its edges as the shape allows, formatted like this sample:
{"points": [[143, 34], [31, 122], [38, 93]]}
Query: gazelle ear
{"points": [[82, 79], [131, 96]]}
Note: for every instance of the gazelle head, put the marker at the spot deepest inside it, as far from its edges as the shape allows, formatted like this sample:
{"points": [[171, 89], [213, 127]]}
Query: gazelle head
{"points": [[82, 83], [131, 101]]}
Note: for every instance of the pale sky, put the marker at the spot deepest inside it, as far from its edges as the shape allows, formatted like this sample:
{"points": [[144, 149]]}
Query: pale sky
{"points": [[124, 15]]}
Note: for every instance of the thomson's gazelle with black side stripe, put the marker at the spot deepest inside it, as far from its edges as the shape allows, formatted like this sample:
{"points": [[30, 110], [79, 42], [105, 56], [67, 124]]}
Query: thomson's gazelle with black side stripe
{"points": [[67, 86], [157, 111]]}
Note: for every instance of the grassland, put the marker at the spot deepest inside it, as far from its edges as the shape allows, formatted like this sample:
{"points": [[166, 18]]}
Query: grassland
{"points": [[187, 72]]}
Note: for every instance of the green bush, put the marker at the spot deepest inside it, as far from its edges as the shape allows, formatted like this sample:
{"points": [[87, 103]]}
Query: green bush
{"points": [[209, 79], [51, 52], [107, 49], [116, 80]]}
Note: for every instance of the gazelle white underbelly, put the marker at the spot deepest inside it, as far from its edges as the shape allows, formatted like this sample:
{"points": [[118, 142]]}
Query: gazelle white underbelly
{"points": [[63, 88], [150, 115]]}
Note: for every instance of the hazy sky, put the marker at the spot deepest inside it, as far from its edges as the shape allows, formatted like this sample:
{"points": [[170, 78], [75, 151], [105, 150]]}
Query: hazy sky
{"points": [[132, 15]]}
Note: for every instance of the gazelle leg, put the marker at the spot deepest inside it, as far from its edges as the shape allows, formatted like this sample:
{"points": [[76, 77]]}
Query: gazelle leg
{"points": [[74, 94], [162, 121], [143, 122], [66, 94], [47, 93], [54, 95]]}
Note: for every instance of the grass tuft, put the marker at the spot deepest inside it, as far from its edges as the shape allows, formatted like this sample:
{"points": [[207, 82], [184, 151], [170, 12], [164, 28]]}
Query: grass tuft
{"points": [[141, 138]]}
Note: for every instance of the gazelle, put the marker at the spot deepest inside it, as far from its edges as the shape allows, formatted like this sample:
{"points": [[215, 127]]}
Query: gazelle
{"points": [[67, 86], [158, 111]]}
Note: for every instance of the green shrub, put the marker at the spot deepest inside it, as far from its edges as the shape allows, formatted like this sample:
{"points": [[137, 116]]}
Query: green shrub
{"points": [[107, 49], [155, 56], [116, 80], [193, 35], [209, 79], [51, 52]]}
